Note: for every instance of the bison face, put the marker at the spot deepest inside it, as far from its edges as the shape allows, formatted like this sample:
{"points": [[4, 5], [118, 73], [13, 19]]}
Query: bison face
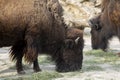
{"points": [[98, 36], [72, 55], [95, 30]]}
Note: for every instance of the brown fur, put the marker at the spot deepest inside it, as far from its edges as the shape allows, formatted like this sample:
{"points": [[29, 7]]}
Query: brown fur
{"points": [[107, 22], [29, 26], [104, 4], [32, 27]]}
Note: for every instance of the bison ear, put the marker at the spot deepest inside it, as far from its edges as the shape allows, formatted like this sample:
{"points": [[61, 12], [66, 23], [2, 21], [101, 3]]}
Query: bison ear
{"points": [[69, 43], [97, 26], [90, 22]]}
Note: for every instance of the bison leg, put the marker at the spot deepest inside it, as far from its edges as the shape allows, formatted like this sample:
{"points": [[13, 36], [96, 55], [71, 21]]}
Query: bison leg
{"points": [[19, 65], [33, 48], [36, 67], [17, 52], [104, 44]]}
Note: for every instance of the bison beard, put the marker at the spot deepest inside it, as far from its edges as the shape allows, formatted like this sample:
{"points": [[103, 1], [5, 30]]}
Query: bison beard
{"points": [[106, 25], [36, 26]]}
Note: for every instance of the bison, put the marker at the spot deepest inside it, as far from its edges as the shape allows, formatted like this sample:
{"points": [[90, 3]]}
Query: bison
{"points": [[106, 24], [34, 27]]}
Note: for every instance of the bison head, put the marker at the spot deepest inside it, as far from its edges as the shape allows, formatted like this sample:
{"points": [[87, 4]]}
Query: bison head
{"points": [[106, 25], [98, 38], [73, 52], [95, 32]]}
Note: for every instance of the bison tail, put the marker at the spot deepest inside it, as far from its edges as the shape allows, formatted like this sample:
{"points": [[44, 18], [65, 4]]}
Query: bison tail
{"points": [[17, 51], [20, 50]]}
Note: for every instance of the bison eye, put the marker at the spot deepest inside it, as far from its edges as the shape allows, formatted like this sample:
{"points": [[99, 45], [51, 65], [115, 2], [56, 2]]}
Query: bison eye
{"points": [[97, 26]]}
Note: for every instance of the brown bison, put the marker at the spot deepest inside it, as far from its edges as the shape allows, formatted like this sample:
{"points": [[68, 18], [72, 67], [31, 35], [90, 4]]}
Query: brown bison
{"points": [[36, 26], [106, 24], [73, 52]]}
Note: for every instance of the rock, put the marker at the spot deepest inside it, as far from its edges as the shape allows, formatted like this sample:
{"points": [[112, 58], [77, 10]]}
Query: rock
{"points": [[78, 12]]}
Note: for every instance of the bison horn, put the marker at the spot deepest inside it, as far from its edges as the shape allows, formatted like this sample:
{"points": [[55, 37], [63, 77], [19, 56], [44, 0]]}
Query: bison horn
{"points": [[76, 40], [90, 22]]}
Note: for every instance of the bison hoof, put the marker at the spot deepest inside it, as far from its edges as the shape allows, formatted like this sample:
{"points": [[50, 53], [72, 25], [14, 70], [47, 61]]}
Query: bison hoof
{"points": [[37, 70], [21, 72]]}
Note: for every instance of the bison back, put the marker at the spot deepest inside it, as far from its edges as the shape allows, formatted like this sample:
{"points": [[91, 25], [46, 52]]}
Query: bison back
{"points": [[18, 17]]}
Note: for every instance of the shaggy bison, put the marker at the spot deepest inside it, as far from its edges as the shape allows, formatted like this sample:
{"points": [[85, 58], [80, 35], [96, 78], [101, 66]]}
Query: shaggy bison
{"points": [[106, 24], [73, 53], [36, 26]]}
